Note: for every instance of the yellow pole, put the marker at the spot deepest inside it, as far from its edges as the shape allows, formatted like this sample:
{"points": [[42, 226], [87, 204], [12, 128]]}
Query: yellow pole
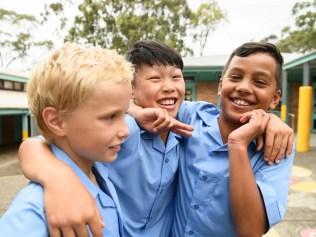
{"points": [[25, 133], [304, 118], [283, 112]]}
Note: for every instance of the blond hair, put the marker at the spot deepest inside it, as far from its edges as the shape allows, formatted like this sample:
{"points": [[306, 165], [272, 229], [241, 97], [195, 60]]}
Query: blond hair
{"points": [[69, 75]]}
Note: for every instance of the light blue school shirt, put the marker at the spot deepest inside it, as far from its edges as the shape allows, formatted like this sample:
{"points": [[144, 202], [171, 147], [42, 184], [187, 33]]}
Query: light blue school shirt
{"points": [[145, 178], [202, 203], [26, 215]]}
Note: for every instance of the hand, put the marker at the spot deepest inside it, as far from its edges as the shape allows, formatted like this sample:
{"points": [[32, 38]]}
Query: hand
{"points": [[70, 208], [255, 124], [279, 139], [158, 120]]}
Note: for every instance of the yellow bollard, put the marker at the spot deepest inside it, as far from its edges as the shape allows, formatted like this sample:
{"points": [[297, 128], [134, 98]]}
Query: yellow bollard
{"points": [[304, 118], [283, 112], [25, 134]]}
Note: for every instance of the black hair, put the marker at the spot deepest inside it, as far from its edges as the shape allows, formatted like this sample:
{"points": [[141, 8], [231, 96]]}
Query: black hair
{"points": [[149, 52], [250, 48]]}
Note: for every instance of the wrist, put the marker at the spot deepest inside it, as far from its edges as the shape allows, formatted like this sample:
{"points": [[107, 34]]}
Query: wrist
{"points": [[236, 144]]}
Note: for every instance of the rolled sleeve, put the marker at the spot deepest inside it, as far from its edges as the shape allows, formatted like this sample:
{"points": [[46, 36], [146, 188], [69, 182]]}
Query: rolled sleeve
{"points": [[273, 182]]}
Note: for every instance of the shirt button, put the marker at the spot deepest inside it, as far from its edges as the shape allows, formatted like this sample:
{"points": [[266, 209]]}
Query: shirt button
{"points": [[166, 160], [196, 206], [190, 232], [204, 177]]}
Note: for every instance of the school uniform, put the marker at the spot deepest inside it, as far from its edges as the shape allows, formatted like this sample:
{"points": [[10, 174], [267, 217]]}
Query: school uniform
{"points": [[145, 178], [202, 204], [26, 214]]}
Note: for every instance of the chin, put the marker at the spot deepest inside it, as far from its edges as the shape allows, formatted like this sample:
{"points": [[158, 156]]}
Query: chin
{"points": [[109, 158]]}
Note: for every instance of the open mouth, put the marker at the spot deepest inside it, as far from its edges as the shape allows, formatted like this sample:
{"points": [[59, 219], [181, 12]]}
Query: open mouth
{"points": [[167, 102], [116, 148], [241, 102]]}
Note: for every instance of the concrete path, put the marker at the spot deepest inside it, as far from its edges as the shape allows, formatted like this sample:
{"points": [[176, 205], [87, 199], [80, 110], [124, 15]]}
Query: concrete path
{"points": [[300, 219]]}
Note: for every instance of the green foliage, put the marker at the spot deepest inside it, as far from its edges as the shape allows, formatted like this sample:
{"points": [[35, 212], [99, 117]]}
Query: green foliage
{"points": [[119, 23], [16, 39], [303, 37]]}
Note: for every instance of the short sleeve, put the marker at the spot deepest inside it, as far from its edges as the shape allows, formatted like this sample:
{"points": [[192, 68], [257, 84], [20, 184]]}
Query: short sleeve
{"points": [[25, 216], [273, 182]]}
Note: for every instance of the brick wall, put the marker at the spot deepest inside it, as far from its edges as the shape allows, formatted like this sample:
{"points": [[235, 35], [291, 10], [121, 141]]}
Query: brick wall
{"points": [[207, 91]]}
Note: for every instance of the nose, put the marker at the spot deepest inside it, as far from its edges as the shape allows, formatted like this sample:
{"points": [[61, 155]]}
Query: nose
{"points": [[167, 85], [244, 86], [123, 130]]}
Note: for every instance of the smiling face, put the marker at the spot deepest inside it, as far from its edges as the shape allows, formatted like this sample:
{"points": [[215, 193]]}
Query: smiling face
{"points": [[95, 130], [159, 86], [249, 83]]}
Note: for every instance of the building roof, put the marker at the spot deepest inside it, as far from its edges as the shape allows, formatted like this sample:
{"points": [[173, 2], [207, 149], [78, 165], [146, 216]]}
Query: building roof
{"points": [[220, 60], [13, 100], [299, 61], [13, 75]]}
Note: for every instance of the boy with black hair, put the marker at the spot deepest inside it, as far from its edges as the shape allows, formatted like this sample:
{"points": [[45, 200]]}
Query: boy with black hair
{"points": [[225, 187]]}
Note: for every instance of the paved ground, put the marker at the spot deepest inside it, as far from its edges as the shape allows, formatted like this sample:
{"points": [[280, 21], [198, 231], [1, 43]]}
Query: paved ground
{"points": [[300, 219]]}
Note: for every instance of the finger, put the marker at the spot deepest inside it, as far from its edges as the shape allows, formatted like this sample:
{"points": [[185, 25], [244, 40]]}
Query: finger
{"points": [[269, 139], [259, 142], [68, 232], [53, 232], [282, 151], [164, 126], [265, 120], [161, 117], [182, 132], [290, 144], [82, 231], [277, 147], [180, 125], [245, 117], [96, 225]]}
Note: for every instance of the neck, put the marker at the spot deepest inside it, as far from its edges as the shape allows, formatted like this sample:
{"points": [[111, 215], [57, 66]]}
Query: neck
{"points": [[226, 127], [83, 163], [164, 136]]}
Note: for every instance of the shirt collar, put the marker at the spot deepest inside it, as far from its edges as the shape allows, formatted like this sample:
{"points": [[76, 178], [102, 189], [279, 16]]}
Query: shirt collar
{"points": [[61, 155]]}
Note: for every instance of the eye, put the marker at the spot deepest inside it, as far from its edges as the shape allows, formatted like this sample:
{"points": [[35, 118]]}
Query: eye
{"points": [[177, 77], [260, 83], [109, 117], [154, 78], [235, 77]]}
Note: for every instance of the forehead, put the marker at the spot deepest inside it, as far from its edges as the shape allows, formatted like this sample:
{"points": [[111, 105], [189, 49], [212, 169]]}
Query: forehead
{"points": [[157, 68], [262, 63]]}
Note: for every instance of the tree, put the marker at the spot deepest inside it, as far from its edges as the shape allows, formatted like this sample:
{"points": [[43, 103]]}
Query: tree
{"points": [[206, 18], [119, 23], [16, 39], [303, 37]]}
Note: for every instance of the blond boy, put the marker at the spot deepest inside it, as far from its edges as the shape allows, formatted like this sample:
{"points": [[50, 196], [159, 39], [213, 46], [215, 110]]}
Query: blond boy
{"points": [[78, 97]]}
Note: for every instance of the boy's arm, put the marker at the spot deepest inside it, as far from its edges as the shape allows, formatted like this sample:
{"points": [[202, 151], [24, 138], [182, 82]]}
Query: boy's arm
{"points": [[67, 214], [278, 139], [246, 202], [158, 120]]}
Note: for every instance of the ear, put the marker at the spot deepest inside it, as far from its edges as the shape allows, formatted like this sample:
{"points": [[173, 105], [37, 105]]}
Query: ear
{"points": [[219, 89], [275, 100], [53, 121]]}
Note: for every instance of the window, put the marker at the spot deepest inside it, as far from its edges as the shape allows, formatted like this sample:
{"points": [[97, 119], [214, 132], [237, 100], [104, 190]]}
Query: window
{"points": [[188, 94], [8, 85]]}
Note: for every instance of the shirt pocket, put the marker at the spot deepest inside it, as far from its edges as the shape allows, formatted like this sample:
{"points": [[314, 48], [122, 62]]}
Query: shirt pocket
{"points": [[205, 188]]}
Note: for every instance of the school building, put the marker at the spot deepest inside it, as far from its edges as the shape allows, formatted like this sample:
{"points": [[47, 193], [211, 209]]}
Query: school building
{"points": [[298, 103], [297, 108], [14, 114]]}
